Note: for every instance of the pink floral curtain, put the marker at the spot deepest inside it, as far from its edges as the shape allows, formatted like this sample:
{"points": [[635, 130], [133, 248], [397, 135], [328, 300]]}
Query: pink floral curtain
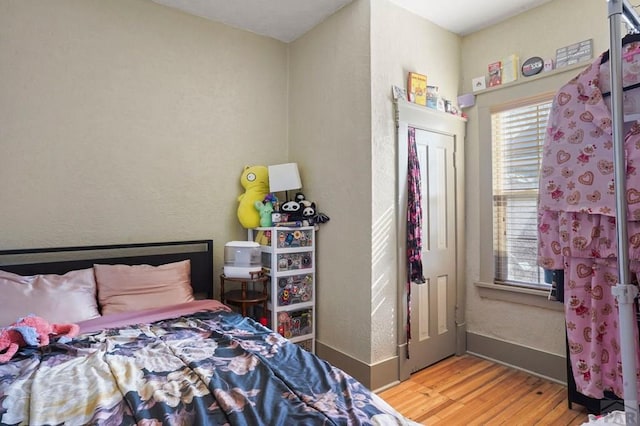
{"points": [[414, 226]]}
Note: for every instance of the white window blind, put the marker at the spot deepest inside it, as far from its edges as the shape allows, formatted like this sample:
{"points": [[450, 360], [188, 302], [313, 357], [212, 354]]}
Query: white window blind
{"points": [[518, 135]]}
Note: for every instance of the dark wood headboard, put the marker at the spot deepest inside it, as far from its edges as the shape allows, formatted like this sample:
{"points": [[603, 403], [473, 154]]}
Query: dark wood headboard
{"points": [[60, 260]]}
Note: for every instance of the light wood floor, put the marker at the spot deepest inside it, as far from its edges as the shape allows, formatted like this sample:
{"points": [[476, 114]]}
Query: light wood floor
{"points": [[467, 390]]}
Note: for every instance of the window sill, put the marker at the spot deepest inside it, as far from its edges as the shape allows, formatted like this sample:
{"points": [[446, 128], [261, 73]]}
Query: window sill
{"points": [[521, 295]]}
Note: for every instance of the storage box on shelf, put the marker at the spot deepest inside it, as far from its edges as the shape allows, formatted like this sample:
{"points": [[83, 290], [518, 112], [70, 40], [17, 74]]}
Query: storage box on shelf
{"points": [[288, 258]]}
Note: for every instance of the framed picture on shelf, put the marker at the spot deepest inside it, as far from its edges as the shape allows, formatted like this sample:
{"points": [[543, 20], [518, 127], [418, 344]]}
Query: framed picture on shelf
{"points": [[417, 88], [479, 83], [399, 93], [495, 74]]}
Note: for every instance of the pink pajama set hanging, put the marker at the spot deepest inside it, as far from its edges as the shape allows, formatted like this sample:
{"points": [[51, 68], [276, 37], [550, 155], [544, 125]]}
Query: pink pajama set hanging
{"points": [[577, 228]]}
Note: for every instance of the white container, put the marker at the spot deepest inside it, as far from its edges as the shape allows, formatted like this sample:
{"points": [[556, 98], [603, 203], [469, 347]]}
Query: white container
{"points": [[241, 258]]}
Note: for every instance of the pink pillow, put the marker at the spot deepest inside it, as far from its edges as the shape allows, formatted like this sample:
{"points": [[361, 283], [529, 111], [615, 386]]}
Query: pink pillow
{"points": [[124, 288], [67, 298]]}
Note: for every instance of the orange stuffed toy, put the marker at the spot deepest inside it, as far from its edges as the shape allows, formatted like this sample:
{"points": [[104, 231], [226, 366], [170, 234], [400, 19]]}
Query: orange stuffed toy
{"points": [[32, 331], [43, 329], [11, 340]]}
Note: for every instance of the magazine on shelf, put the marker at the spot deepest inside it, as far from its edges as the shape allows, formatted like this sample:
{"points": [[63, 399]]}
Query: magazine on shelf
{"points": [[417, 88], [495, 74], [510, 69]]}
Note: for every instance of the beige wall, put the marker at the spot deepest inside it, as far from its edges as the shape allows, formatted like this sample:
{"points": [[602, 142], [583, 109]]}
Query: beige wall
{"points": [[125, 121], [343, 134], [330, 137], [414, 45], [538, 32]]}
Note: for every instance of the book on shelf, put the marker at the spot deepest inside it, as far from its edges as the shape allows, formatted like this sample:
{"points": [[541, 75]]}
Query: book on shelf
{"points": [[495, 74], [417, 88], [510, 69]]}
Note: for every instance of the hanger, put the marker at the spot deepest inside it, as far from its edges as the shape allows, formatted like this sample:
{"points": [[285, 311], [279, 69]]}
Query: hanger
{"points": [[624, 89], [629, 38]]}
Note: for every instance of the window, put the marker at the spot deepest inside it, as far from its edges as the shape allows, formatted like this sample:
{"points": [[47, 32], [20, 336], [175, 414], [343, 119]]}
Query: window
{"points": [[517, 136]]}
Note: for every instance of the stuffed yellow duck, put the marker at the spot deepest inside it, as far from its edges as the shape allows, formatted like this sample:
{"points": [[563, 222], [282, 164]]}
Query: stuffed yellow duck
{"points": [[255, 181]]}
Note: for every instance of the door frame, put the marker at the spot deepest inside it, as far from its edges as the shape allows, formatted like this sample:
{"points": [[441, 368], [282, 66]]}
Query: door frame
{"points": [[411, 115]]}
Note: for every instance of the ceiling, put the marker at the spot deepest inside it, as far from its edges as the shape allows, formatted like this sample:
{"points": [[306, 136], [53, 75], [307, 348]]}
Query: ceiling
{"points": [[286, 20]]}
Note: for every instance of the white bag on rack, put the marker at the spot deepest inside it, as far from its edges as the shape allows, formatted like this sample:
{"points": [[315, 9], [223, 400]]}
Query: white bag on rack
{"points": [[612, 418]]}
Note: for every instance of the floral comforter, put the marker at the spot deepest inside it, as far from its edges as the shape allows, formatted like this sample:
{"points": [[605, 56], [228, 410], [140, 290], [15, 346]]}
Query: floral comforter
{"points": [[205, 368]]}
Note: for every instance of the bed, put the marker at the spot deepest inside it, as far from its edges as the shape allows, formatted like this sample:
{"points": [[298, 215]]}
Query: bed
{"points": [[149, 354]]}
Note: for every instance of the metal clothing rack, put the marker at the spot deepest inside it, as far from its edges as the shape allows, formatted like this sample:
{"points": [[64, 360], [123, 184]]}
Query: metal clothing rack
{"points": [[624, 292]]}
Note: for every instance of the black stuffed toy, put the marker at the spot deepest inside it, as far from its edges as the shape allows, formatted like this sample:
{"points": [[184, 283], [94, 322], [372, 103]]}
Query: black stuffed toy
{"points": [[309, 211], [293, 209], [301, 209]]}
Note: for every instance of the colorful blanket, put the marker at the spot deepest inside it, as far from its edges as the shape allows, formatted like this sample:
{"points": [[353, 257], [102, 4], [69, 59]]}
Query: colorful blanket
{"points": [[207, 368]]}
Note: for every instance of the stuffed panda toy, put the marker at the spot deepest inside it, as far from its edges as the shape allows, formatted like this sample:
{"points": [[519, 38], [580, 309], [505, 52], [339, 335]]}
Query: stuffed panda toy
{"points": [[301, 209], [293, 209], [309, 211]]}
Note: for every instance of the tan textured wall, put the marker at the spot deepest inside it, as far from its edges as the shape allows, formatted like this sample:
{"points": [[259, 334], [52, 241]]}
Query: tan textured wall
{"points": [[400, 42], [538, 32], [126, 121], [330, 137], [342, 134]]}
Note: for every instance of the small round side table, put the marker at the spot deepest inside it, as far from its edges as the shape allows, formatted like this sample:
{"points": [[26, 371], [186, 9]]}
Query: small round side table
{"points": [[244, 298]]}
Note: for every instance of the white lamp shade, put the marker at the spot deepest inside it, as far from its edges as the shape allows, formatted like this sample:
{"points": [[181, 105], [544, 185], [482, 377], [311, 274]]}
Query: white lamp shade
{"points": [[284, 177]]}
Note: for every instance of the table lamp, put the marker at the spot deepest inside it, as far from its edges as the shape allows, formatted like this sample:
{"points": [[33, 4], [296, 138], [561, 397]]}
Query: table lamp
{"points": [[284, 177]]}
